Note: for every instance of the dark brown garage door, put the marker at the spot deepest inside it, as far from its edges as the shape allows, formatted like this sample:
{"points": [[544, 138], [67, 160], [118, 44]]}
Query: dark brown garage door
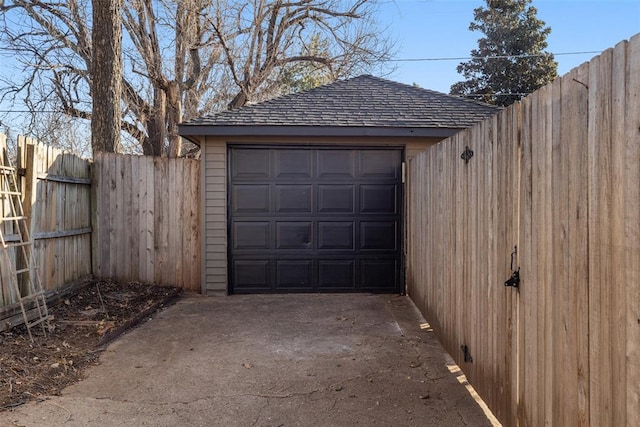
{"points": [[314, 220]]}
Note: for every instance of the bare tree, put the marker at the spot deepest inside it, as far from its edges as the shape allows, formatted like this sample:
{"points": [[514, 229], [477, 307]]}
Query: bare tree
{"points": [[262, 37], [56, 52], [64, 132], [106, 75], [184, 58]]}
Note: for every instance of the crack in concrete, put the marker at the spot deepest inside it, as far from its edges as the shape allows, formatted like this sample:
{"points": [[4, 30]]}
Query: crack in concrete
{"points": [[278, 396], [210, 397]]}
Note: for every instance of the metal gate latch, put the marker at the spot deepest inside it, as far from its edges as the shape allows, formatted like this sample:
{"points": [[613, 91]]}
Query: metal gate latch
{"points": [[514, 280]]}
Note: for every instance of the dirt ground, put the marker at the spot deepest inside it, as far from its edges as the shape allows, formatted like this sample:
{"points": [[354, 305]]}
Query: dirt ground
{"points": [[81, 326]]}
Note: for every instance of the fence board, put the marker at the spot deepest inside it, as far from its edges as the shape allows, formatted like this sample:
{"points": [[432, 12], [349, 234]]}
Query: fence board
{"points": [[127, 208], [618, 276], [600, 133], [527, 320], [118, 227], [632, 232], [578, 240], [542, 198], [172, 216], [161, 234], [134, 216], [150, 220]]}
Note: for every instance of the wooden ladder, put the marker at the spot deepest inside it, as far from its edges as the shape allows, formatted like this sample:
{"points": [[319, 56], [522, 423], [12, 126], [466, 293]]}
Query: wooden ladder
{"points": [[15, 222]]}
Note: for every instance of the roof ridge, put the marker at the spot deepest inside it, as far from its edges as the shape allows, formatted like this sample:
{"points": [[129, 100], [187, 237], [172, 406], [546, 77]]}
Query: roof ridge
{"points": [[371, 77], [359, 101], [434, 92]]}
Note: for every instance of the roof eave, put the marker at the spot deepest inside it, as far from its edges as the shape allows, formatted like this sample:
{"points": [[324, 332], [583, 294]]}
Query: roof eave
{"points": [[194, 130]]}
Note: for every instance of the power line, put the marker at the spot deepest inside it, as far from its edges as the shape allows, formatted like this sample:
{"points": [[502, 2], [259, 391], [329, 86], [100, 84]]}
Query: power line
{"points": [[462, 58], [475, 95], [458, 58]]}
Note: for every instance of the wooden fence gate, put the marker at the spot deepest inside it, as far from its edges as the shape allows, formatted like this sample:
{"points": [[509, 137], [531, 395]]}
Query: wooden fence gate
{"points": [[551, 192], [56, 189]]}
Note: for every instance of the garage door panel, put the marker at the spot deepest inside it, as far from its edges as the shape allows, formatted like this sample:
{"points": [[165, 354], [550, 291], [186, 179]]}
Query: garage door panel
{"points": [[251, 199], [314, 219], [336, 199], [376, 274], [378, 164], [294, 274], [251, 165], [336, 235], [381, 198], [336, 164], [378, 235], [336, 274], [294, 199], [293, 163], [251, 235], [294, 235], [254, 274]]}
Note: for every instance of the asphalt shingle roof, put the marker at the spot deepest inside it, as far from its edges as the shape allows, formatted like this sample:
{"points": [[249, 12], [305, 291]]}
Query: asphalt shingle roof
{"points": [[359, 102]]}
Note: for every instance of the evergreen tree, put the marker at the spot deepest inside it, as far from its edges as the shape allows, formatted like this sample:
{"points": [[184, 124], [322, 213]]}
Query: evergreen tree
{"points": [[510, 61], [302, 76]]}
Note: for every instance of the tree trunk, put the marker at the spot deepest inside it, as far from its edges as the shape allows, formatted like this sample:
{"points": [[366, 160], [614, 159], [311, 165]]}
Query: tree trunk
{"points": [[174, 117], [157, 125], [106, 71]]}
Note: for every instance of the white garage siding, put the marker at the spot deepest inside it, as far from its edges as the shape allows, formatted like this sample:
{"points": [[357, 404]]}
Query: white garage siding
{"points": [[214, 220]]}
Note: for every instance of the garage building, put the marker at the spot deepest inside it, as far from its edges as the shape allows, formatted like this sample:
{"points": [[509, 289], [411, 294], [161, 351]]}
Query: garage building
{"points": [[304, 193]]}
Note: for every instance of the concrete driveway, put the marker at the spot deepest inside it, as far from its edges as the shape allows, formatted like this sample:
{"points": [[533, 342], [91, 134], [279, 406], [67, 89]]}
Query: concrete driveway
{"points": [[283, 360]]}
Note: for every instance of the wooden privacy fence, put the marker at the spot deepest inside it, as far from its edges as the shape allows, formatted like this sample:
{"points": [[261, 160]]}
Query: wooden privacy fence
{"points": [[121, 217], [147, 224], [56, 190], [558, 177]]}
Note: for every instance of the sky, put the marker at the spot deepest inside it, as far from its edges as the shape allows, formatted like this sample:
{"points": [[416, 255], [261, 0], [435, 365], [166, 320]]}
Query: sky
{"points": [[430, 29], [436, 29]]}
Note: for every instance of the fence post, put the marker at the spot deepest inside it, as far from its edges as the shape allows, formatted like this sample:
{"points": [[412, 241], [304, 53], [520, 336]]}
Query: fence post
{"points": [[95, 226], [28, 178]]}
